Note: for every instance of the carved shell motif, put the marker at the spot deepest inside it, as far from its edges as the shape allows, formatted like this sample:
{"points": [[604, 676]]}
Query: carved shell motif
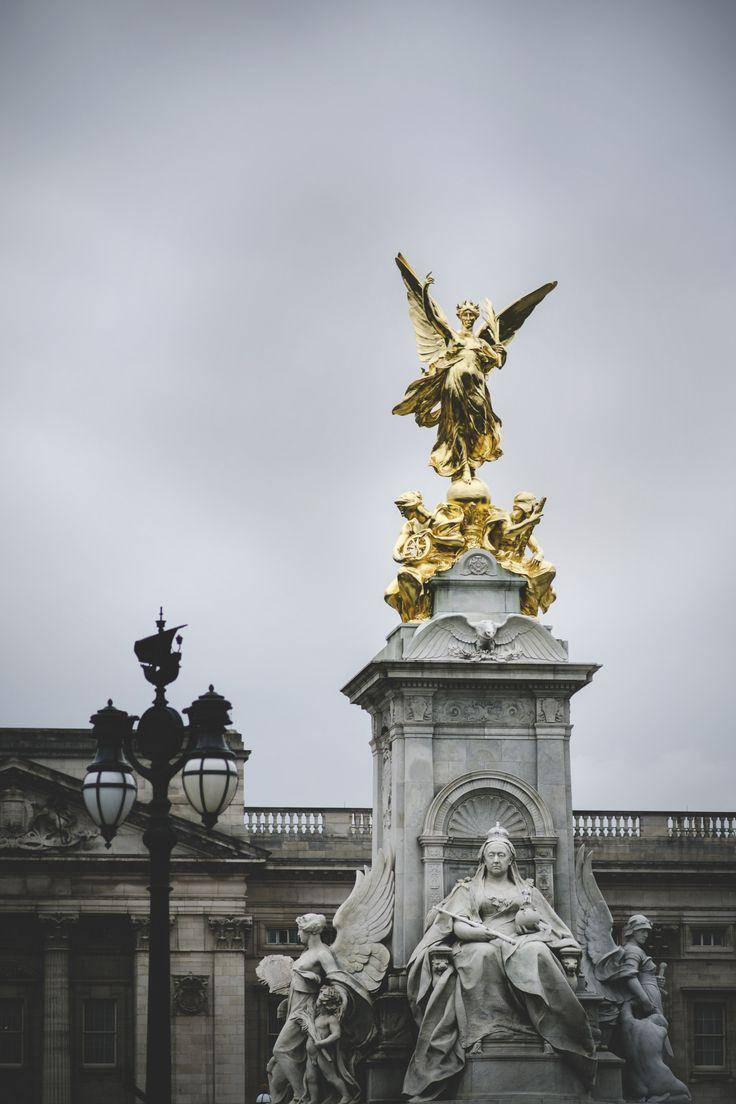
{"points": [[474, 817]]}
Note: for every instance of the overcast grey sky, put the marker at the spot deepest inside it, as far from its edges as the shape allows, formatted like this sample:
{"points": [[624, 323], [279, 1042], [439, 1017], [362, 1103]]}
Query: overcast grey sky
{"points": [[204, 332]]}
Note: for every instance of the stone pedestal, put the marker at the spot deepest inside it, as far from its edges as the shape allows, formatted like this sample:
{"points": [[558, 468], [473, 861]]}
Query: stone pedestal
{"points": [[518, 1073], [470, 728]]}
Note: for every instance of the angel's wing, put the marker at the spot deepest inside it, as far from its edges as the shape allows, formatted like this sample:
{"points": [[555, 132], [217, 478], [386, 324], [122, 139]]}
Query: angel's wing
{"points": [[489, 330], [594, 924], [363, 921], [509, 320], [275, 972], [430, 344], [520, 634]]}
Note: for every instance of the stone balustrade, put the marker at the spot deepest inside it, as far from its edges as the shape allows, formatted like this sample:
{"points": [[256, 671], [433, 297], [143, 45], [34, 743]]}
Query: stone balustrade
{"points": [[298, 821], [592, 824]]}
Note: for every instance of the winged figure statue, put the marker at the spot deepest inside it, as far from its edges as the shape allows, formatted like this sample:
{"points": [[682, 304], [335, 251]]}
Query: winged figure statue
{"points": [[515, 637], [632, 1017], [328, 990], [451, 393]]}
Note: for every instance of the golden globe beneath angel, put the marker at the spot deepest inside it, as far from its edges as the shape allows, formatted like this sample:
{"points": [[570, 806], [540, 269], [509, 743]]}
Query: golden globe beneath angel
{"points": [[452, 394]]}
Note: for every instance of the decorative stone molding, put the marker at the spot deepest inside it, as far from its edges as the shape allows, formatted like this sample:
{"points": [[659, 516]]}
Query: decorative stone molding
{"points": [[189, 994], [231, 932], [459, 818], [386, 785], [470, 711], [501, 786]]}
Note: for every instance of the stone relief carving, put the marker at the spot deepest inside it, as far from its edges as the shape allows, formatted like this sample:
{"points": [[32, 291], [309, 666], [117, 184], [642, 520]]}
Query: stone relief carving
{"points": [[473, 815], [458, 636], [550, 710], [42, 824], [230, 932], [189, 994], [479, 565], [417, 708], [466, 710]]}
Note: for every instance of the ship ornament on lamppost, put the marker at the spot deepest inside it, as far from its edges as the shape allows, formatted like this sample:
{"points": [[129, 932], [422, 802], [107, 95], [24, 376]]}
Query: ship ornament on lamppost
{"points": [[158, 747]]}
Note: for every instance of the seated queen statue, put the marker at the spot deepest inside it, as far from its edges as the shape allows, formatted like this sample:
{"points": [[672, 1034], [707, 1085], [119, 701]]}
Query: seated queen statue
{"points": [[499, 945]]}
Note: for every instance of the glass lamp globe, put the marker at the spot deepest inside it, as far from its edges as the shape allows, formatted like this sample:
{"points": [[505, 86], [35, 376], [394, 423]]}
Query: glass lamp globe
{"points": [[109, 788], [210, 775], [210, 782]]}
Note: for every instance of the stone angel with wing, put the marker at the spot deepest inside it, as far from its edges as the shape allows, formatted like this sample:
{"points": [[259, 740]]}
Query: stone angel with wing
{"points": [[632, 1018], [452, 393], [328, 1006]]}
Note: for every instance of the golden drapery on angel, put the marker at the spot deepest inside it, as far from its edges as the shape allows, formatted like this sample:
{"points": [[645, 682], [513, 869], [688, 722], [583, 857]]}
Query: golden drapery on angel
{"points": [[452, 393]]}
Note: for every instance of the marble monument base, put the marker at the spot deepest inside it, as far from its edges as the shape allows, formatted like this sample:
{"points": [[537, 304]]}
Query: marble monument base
{"points": [[518, 1072], [506, 1072]]}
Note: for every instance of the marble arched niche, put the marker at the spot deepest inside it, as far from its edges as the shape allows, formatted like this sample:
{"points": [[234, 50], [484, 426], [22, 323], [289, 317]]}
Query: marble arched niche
{"points": [[459, 818]]}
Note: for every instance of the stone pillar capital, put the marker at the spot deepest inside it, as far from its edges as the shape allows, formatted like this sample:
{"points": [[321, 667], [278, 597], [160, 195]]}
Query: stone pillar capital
{"points": [[57, 928], [142, 930], [231, 932]]}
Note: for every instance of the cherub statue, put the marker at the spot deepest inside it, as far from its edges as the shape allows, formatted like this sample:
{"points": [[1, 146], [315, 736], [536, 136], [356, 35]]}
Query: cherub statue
{"points": [[326, 1071], [632, 1019], [354, 966], [452, 393], [509, 536]]}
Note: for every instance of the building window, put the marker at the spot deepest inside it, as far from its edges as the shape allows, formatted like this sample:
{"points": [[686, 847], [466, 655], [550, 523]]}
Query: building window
{"points": [[11, 1031], [709, 1030], [709, 937], [99, 1032], [282, 936]]}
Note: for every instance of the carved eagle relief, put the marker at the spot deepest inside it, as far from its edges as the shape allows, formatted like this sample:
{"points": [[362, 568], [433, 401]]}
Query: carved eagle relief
{"points": [[458, 637]]}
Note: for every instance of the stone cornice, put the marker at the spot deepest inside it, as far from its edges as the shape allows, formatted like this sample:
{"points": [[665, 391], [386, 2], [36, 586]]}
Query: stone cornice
{"points": [[371, 683]]}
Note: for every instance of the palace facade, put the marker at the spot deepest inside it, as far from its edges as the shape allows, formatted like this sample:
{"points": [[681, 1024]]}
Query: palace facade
{"points": [[73, 928]]}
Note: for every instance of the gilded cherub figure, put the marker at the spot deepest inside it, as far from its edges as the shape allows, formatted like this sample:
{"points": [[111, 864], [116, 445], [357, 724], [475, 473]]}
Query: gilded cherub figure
{"points": [[509, 536], [428, 542], [452, 393]]}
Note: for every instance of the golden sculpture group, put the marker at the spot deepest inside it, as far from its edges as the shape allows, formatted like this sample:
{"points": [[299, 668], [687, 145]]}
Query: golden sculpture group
{"points": [[452, 394]]}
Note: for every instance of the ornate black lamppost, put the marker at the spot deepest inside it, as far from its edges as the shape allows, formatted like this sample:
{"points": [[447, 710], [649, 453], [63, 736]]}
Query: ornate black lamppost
{"points": [[158, 749]]}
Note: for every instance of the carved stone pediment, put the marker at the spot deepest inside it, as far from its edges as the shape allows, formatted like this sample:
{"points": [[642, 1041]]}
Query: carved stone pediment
{"points": [[34, 821], [42, 811]]}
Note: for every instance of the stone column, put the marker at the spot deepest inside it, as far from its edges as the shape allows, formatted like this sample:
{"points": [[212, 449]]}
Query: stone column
{"points": [[57, 1034], [141, 930], [228, 1006]]}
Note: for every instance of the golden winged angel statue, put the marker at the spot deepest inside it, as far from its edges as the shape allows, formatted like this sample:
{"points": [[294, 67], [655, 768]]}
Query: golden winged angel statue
{"points": [[328, 990], [452, 393]]}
